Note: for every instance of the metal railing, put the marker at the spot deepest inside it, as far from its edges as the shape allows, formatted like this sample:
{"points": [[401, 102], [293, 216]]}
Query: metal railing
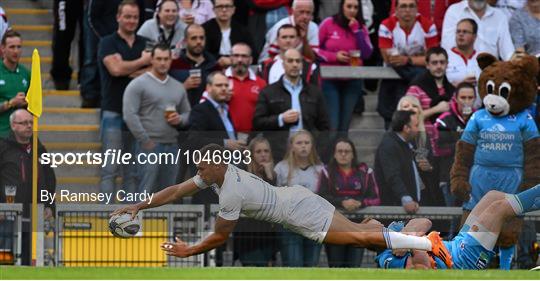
{"points": [[82, 237], [351, 72], [10, 233], [359, 72]]}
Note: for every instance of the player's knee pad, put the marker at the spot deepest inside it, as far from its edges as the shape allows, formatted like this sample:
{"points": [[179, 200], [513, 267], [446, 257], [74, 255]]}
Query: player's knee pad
{"points": [[484, 237], [471, 219]]}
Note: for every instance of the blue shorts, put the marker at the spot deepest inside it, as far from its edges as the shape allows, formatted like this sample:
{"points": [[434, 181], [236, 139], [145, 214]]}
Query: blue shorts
{"points": [[484, 179], [467, 253], [387, 260]]}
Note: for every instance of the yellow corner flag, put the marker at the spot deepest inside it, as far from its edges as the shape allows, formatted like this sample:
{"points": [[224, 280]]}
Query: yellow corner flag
{"points": [[34, 100], [33, 97]]}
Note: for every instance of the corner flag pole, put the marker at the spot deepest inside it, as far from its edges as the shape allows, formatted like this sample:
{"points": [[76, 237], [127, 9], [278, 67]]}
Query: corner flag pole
{"points": [[34, 100]]}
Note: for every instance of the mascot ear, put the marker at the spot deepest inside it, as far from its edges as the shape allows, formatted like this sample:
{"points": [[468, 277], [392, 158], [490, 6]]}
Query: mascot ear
{"points": [[484, 60], [529, 64]]}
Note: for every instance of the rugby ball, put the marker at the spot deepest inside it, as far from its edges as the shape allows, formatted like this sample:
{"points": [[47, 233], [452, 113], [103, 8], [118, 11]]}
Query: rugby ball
{"points": [[123, 226]]}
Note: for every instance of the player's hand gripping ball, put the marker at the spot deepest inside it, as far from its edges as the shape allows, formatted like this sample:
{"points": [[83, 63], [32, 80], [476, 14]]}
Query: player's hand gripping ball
{"points": [[124, 226]]}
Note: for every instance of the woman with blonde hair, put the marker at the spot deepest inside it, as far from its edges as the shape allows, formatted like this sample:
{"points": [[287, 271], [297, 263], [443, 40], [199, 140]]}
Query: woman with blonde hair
{"points": [[301, 166], [423, 152], [262, 163]]}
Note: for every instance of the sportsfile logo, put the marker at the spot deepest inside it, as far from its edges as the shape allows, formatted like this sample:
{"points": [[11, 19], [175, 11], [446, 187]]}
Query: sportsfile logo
{"points": [[109, 157], [119, 157]]}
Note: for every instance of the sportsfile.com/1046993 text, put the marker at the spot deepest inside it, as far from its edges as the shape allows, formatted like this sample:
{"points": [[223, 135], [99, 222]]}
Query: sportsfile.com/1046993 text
{"points": [[118, 157]]}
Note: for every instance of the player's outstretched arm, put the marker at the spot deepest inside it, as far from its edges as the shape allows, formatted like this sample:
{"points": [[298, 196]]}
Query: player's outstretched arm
{"points": [[223, 229], [166, 196]]}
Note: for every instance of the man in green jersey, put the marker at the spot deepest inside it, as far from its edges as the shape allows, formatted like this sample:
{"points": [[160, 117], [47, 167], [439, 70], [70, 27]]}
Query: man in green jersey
{"points": [[14, 79]]}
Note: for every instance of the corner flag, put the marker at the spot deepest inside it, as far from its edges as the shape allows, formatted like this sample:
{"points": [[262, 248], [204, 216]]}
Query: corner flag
{"points": [[33, 96], [34, 100]]}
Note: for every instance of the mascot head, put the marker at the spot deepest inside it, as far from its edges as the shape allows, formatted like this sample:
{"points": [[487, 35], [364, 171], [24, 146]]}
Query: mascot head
{"points": [[507, 87]]}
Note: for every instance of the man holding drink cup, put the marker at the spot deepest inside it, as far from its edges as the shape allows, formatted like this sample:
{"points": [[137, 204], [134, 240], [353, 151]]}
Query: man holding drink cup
{"points": [[150, 107], [16, 179], [194, 63]]}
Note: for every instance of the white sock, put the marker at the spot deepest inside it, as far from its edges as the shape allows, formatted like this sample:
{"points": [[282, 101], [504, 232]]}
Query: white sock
{"points": [[396, 240], [514, 202]]}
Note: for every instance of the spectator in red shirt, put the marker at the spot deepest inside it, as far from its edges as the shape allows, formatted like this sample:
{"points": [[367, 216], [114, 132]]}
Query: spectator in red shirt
{"points": [[408, 33], [403, 40], [246, 86]]}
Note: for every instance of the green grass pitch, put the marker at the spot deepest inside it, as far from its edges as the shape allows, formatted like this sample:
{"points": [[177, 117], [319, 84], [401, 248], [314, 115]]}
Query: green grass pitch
{"points": [[253, 273]]}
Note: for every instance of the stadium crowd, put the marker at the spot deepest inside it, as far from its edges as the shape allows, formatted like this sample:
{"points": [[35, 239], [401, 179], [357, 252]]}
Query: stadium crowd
{"points": [[180, 74]]}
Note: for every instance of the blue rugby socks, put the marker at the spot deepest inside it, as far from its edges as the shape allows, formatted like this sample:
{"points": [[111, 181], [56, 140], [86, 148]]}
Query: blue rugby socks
{"points": [[506, 255]]}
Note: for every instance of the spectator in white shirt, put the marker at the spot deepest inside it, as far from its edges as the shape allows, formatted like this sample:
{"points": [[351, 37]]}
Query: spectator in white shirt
{"points": [[302, 19], [462, 64], [493, 32]]}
